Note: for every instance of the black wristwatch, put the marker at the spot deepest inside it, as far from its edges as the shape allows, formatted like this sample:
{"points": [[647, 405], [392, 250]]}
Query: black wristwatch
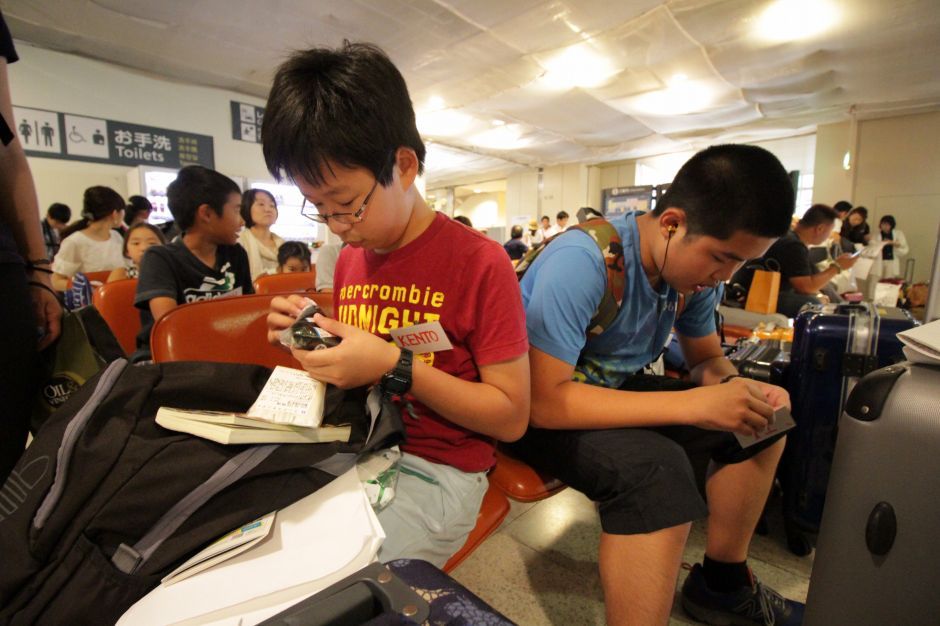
{"points": [[397, 381]]}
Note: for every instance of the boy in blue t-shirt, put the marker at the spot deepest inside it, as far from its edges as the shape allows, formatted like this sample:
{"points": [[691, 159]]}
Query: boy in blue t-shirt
{"points": [[633, 442]]}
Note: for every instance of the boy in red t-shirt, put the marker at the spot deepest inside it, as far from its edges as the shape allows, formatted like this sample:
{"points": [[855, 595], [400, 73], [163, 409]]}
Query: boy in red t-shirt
{"points": [[340, 125]]}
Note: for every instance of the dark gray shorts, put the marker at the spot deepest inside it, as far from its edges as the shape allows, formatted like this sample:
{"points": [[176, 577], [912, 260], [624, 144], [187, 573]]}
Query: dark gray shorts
{"points": [[643, 479]]}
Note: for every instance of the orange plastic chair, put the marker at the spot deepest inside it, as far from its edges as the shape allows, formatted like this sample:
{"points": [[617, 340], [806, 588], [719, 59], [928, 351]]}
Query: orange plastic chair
{"points": [[493, 511], [115, 302], [520, 481], [287, 283], [231, 330]]}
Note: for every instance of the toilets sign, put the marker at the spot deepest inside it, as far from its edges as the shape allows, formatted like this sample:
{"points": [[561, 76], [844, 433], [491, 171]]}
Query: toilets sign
{"points": [[76, 137]]}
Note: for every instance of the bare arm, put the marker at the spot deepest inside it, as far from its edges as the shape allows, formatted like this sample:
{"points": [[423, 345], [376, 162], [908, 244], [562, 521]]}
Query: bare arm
{"points": [[812, 284], [561, 403], [161, 306], [497, 405], [705, 358], [19, 208]]}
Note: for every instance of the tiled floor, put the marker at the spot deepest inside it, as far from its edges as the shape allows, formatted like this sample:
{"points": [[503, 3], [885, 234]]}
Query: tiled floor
{"points": [[540, 567]]}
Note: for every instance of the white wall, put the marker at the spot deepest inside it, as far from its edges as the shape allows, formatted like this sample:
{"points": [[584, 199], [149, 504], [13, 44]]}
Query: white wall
{"points": [[898, 175], [54, 81], [832, 182], [483, 209]]}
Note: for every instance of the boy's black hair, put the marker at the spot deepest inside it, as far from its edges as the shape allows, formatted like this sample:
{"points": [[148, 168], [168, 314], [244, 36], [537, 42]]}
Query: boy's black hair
{"points": [[732, 187], [348, 105], [98, 202], [545, 217], [156, 231], [516, 232], [194, 186], [562, 215], [290, 249], [818, 214], [861, 211], [842, 206], [135, 205], [248, 198], [463, 219], [889, 219], [59, 212]]}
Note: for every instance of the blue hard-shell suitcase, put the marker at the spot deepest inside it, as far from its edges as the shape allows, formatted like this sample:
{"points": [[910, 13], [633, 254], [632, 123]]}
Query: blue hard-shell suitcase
{"points": [[876, 560], [833, 346]]}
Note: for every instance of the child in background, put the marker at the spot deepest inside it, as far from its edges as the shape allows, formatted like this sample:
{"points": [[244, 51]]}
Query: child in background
{"points": [[205, 263], [293, 256], [91, 244], [139, 237]]}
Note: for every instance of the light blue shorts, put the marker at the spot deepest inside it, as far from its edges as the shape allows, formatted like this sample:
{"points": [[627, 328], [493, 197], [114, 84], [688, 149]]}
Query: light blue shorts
{"points": [[434, 509]]}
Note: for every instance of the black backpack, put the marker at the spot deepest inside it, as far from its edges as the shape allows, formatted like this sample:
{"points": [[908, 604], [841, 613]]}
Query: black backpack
{"points": [[105, 502]]}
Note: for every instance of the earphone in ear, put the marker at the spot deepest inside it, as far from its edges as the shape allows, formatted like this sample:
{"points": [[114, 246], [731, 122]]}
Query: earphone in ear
{"points": [[672, 229]]}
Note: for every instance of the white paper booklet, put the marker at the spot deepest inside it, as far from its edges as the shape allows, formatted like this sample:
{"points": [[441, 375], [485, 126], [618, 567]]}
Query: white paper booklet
{"points": [[224, 548], [781, 422], [922, 343], [290, 397], [313, 543]]}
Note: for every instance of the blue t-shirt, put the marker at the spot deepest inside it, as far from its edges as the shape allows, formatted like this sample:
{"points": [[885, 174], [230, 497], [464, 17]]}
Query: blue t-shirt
{"points": [[565, 284]]}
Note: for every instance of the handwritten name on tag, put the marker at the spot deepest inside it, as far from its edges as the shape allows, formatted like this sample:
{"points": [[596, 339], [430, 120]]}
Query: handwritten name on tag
{"points": [[422, 338]]}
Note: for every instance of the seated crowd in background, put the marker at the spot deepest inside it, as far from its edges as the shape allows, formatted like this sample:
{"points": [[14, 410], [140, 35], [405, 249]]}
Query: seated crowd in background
{"points": [[800, 282]]}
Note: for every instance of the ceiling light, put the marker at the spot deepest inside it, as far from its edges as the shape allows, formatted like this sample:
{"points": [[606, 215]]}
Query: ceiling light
{"points": [[446, 122], [680, 97], [789, 20], [500, 138], [435, 103], [576, 66], [498, 123], [477, 191]]}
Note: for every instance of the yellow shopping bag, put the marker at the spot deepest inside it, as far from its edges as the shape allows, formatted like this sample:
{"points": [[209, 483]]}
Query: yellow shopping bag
{"points": [[762, 295]]}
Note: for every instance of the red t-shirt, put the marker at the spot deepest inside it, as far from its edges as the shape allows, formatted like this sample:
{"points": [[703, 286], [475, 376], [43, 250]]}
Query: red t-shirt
{"points": [[454, 275]]}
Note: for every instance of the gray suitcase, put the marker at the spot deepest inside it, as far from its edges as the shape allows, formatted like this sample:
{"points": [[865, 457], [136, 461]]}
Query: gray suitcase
{"points": [[878, 556]]}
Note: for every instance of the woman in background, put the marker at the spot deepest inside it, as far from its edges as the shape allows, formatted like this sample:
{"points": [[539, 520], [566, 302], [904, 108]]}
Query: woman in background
{"points": [[855, 230], [138, 210], [259, 210], [91, 244], [893, 246]]}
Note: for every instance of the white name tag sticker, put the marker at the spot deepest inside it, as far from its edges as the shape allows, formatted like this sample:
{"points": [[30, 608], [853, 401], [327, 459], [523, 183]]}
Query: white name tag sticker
{"points": [[422, 338]]}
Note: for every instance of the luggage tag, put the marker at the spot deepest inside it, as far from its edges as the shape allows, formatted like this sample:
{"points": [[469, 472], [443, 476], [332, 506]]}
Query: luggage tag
{"points": [[422, 338], [781, 422]]}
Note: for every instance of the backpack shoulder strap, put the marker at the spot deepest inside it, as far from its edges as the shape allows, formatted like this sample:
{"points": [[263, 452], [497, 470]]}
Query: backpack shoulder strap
{"points": [[608, 241]]}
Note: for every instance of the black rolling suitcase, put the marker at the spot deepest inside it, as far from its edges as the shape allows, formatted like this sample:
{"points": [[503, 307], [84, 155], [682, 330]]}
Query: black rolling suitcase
{"points": [[877, 555], [765, 361], [833, 346]]}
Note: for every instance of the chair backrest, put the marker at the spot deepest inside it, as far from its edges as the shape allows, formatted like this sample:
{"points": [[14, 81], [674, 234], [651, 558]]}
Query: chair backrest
{"points": [[286, 283], [232, 330], [115, 302]]}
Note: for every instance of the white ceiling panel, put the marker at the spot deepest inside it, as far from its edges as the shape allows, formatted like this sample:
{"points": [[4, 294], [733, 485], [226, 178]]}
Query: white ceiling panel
{"points": [[493, 60]]}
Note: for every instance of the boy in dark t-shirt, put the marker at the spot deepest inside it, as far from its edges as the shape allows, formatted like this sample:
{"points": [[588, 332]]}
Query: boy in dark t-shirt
{"points": [[206, 262]]}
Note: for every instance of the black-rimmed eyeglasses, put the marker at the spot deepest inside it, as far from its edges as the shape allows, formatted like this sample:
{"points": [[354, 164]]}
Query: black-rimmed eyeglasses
{"points": [[341, 217]]}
